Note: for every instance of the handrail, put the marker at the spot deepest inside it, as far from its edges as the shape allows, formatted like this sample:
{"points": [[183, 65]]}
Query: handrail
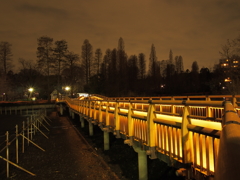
{"points": [[175, 128]]}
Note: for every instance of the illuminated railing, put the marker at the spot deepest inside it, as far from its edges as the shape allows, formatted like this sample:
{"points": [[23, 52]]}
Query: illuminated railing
{"points": [[184, 129]]}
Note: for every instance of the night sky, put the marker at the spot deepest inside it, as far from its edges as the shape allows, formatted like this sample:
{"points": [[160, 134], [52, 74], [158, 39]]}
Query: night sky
{"points": [[193, 29]]}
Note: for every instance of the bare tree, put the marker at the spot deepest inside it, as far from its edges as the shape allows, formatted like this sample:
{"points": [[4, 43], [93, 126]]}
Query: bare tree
{"points": [[195, 68], [132, 73], [112, 75], [227, 50], [5, 56], [27, 64], [45, 58], [142, 65], [60, 51], [152, 62], [98, 60], [106, 62], [72, 61], [28, 76], [170, 57], [121, 67], [5, 61], [179, 64], [87, 59]]}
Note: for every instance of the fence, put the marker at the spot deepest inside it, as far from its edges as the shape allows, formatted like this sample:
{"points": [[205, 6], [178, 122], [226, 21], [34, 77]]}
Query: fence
{"points": [[23, 135]]}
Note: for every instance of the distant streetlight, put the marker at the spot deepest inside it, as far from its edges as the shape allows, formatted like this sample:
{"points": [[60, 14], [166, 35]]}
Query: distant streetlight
{"points": [[30, 90], [67, 88]]}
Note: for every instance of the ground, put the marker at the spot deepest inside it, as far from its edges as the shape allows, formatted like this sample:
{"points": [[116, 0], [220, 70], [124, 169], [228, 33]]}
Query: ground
{"points": [[70, 153]]}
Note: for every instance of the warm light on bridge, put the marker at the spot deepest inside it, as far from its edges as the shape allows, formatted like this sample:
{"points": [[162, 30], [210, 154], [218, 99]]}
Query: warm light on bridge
{"points": [[207, 124], [188, 131]]}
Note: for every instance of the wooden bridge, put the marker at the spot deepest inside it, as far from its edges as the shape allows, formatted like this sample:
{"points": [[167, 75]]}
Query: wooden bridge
{"points": [[199, 135]]}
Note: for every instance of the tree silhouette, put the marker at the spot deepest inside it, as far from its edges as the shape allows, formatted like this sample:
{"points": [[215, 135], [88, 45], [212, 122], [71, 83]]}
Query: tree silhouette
{"points": [[142, 65], [87, 59], [5, 56], [179, 64], [121, 67], [98, 60], [194, 78], [132, 73], [72, 61], [45, 58], [152, 62], [112, 88], [170, 57], [60, 51]]}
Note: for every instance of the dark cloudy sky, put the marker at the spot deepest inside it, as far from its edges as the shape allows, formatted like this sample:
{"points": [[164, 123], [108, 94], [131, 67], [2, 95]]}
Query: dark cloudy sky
{"points": [[195, 29]]}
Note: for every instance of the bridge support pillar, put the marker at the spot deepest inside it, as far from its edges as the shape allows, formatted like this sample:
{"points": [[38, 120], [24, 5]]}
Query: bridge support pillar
{"points": [[73, 115], [90, 129], [142, 163], [106, 140], [82, 121], [61, 109]]}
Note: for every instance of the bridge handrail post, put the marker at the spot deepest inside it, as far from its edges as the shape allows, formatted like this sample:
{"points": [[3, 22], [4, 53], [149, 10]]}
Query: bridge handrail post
{"points": [[107, 113], [117, 120], [130, 123], [234, 101], [228, 156], [94, 110], [84, 106], [186, 151], [90, 109], [100, 112], [151, 131], [172, 106]]}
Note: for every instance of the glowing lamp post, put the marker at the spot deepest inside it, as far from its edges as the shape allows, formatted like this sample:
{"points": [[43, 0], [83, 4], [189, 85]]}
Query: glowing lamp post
{"points": [[67, 88], [30, 90]]}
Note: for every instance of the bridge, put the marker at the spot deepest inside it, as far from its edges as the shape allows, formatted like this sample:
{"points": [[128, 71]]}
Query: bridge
{"points": [[199, 135]]}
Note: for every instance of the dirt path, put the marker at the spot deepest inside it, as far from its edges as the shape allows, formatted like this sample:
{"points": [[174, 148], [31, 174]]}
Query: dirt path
{"points": [[66, 156]]}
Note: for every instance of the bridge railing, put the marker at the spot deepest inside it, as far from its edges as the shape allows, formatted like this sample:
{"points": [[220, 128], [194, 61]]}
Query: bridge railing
{"points": [[181, 131]]}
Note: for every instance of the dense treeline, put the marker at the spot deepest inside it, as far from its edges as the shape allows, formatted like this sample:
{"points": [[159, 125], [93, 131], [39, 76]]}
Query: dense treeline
{"points": [[113, 72]]}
